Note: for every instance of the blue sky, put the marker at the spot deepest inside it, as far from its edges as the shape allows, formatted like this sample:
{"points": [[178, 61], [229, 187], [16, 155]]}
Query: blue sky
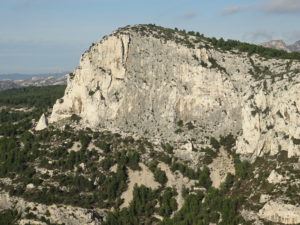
{"points": [[40, 36]]}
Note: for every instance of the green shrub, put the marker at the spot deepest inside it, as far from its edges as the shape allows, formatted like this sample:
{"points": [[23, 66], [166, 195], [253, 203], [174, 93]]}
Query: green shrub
{"points": [[190, 125], [75, 118], [204, 178], [180, 123], [106, 163], [160, 176], [104, 146], [228, 142], [133, 160], [167, 147], [168, 203], [296, 141], [9, 217], [214, 143]]}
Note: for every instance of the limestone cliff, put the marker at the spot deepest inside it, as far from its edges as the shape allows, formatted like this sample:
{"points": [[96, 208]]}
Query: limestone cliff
{"points": [[160, 83]]}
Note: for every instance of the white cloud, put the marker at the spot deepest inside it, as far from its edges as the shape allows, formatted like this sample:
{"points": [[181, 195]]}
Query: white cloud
{"points": [[270, 6], [232, 10], [282, 6], [190, 15]]}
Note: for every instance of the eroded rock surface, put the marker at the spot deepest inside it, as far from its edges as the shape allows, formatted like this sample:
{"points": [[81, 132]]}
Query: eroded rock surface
{"points": [[280, 213], [136, 82]]}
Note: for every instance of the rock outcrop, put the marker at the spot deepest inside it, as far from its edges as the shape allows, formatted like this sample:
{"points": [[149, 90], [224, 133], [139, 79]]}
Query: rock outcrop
{"points": [[280, 213], [42, 124], [274, 177], [158, 83]]}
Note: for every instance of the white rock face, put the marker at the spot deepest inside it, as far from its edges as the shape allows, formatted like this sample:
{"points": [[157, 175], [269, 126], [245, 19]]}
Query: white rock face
{"points": [[251, 216], [280, 213], [140, 84], [274, 177], [264, 198], [42, 124]]}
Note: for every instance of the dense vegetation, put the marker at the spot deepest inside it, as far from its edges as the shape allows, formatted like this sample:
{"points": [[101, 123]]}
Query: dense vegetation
{"points": [[39, 97], [19, 106]]}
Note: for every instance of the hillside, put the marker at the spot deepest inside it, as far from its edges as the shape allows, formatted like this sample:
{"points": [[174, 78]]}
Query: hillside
{"points": [[156, 126]]}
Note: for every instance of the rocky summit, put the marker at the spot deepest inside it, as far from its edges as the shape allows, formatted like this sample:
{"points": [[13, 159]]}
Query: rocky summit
{"points": [[164, 84]]}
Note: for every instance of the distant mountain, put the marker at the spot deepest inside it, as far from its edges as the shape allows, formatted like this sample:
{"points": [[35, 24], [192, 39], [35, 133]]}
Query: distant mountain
{"points": [[21, 76], [281, 45], [32, 81], [8, 84], [295, 47]]}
